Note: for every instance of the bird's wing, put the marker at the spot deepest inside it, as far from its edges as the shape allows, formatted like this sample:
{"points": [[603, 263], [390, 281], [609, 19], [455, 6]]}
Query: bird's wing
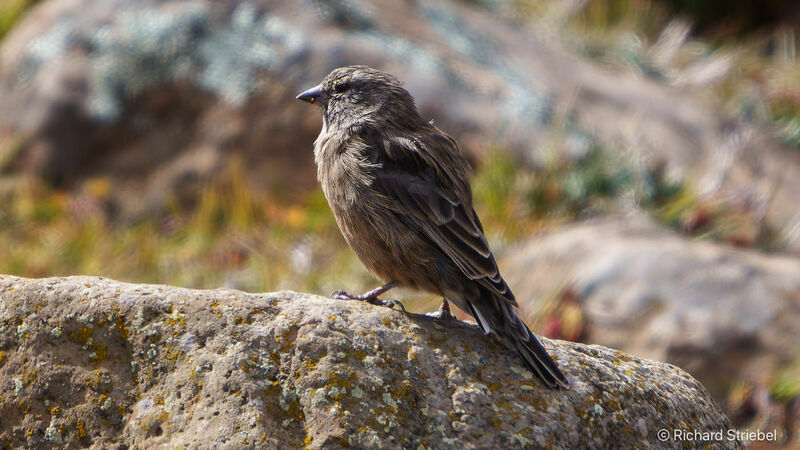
{"points": [[426, 178]]}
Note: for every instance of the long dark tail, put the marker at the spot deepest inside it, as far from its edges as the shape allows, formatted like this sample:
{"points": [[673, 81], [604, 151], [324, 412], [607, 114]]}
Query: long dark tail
{"points": [[499, 317]]}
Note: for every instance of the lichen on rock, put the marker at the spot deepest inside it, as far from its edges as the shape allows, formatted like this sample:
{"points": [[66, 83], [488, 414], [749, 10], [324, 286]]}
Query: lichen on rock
{"points": [[224, 368]]}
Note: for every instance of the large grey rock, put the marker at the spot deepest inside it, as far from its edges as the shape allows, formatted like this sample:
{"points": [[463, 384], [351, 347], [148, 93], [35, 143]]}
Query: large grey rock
{"points": [[159, 93], [725, 315], [89, 361]]}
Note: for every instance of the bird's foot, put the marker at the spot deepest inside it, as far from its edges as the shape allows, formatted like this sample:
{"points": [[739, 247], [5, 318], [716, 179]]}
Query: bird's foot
{"points": [[389, 303], [444, 312], [344, 295], [370, 297]]}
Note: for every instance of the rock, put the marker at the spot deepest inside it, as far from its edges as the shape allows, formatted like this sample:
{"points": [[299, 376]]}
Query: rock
{"points": [[725, 315], [88, 361], [158, 94]]}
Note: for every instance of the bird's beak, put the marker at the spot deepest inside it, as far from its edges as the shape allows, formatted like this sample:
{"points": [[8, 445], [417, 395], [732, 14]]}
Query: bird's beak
{"points": [[316, 96]]}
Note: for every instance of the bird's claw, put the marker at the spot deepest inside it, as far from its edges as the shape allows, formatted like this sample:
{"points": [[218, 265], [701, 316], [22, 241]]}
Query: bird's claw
{"points": [[371, 299], [344, 295], [443, 313], [389, 304]]}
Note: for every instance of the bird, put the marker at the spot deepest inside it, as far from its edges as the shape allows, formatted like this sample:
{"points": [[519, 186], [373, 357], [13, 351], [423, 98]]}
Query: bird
{"points": [[399, 189]]}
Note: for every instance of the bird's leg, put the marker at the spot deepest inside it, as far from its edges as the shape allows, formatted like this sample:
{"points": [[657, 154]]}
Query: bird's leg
{"points": [[367, 296], [444, 312], [371, 296]]}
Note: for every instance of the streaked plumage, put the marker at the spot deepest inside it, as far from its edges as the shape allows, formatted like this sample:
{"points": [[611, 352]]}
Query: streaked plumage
{"points": [[399, 189]]}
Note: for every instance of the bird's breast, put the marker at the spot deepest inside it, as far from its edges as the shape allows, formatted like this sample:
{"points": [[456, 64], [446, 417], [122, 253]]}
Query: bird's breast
{"points": [[343, 168], [365, 216]]}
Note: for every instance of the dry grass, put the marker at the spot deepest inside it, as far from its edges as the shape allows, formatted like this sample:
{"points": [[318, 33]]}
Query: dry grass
{"points": [[753, 76]]}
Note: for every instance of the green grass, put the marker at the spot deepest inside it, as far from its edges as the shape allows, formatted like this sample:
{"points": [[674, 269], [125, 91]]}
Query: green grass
{"points": [[515, 200], [10, 12], [237, 237], [786, 384], [233, 237]]}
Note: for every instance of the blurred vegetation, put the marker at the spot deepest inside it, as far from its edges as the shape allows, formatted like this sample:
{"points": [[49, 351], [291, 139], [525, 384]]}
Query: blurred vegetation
{"points": [[719, 19], [747, 65], [241, 238], [515, 200], [786, 385], [234, 237], [10, 12]]}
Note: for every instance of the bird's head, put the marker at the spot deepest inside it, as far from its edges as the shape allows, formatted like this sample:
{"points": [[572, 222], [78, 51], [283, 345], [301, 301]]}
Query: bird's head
{"points": [[353, 94]]}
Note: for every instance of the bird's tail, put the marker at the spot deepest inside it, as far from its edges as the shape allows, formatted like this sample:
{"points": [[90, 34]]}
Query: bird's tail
{"points": [[497, 316]]}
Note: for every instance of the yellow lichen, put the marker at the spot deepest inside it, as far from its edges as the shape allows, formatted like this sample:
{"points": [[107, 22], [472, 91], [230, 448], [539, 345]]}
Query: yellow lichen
{"points": [[172, 353], [80, 428], [22, 406], [622, 356], [81, 335]]}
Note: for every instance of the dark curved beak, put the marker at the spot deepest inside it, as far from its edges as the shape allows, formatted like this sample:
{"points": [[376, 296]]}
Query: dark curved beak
{"points": [[315, 96]]}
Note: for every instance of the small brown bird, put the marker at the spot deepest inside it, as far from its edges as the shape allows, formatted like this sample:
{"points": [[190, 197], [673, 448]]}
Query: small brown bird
{"points": [[399, 189]]}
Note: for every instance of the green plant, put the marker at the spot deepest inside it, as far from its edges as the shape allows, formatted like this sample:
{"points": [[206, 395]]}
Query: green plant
{"points": [[10, 12]]}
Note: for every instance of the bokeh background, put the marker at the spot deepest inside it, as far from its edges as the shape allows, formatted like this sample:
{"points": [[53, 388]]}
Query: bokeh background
{"points": [[637, 163]]}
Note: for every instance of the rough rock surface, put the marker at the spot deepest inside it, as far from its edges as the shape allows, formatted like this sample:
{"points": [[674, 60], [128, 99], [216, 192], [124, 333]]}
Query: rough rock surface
{"points": [[159, 93], [89, 361], [725, 315]]}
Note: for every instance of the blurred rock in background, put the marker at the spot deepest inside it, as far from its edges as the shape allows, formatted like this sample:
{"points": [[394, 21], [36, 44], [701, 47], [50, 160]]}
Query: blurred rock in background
{"points": [[725, 315]]}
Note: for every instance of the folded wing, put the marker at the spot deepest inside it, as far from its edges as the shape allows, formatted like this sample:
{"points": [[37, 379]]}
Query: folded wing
{"points": [[427, 181]]}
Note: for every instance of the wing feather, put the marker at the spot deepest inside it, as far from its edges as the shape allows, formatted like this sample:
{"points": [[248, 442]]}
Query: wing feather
{"points": [[428, 181]]}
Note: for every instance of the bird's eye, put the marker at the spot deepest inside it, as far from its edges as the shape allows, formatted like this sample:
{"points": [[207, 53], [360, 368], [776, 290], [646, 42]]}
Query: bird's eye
{"points": [[342, 87]]}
